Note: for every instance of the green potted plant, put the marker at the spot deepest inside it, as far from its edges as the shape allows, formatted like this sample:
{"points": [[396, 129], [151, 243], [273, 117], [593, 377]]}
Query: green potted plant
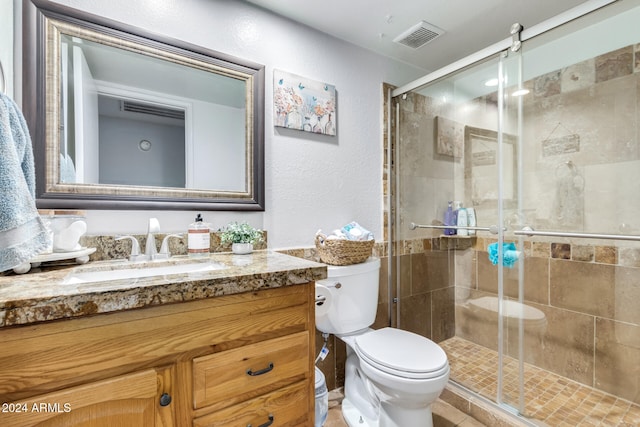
{"points": [[242, 237]]}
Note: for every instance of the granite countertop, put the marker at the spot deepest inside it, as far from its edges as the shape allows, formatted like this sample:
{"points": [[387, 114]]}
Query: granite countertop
{"points": [[42, 296]]}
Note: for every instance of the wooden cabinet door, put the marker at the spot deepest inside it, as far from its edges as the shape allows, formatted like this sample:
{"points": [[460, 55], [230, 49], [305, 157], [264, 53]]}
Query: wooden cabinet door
{"points": [[128, 400]]}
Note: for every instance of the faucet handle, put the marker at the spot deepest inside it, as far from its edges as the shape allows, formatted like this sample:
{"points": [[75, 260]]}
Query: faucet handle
{"points": [[135, 248], [164, 248]]}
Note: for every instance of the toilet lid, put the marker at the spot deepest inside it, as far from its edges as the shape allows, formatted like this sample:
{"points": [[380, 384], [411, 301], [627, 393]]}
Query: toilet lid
{"points": [[402, 353]]}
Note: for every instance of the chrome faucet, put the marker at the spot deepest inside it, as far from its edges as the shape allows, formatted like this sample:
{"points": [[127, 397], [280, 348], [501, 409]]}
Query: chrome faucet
{"points": [[150, 248]]}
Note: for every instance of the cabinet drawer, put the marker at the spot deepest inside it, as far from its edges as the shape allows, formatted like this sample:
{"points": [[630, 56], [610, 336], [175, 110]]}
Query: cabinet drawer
{"points": [[284, 407], [242, 373]]}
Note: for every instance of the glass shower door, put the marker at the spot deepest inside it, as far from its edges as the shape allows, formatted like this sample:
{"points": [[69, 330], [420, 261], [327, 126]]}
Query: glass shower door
{"points": [[569, 317], [548, 326]]}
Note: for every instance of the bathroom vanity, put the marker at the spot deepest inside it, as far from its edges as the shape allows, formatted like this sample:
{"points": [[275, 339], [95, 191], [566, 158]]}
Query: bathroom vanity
{"points": [[225, 347]]}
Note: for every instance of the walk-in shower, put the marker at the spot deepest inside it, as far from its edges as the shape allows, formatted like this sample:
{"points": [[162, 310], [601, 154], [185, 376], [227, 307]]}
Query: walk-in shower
{"points": [[542, 140]]}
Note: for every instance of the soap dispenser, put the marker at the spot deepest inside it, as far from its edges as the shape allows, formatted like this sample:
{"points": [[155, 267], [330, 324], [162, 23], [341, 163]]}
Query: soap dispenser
{"points": [[199, 239], [450, 219]]}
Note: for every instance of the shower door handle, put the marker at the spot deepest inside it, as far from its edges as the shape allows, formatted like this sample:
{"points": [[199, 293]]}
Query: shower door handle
{"points": [[528, 231]]}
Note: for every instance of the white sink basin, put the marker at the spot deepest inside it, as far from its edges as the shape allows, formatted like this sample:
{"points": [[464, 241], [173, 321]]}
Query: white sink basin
{"points": [[134, 273]]}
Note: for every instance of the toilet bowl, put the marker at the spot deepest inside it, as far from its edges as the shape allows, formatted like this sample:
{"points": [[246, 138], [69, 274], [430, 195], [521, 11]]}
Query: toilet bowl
{"points": [[401, 372], [391, 376]]}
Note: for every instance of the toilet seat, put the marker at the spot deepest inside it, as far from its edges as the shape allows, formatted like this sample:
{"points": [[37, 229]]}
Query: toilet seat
{"points": [[401, 353]]}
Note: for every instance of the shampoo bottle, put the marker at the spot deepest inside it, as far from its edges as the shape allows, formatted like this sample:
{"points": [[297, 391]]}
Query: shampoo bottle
{"points": [[450, 219], [471, 220], [462, 221], [199, 239]]}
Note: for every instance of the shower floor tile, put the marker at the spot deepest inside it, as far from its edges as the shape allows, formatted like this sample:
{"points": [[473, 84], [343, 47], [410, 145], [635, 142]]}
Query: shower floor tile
{"points": [[549, 398]]}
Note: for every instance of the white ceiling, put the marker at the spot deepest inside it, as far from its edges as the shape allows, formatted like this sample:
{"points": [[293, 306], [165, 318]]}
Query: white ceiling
{"points": [[469, 25]]}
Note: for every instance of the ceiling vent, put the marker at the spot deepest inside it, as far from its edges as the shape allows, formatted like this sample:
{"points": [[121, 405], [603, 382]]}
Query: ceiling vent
{"points": [[419, 35], [156, 110]]}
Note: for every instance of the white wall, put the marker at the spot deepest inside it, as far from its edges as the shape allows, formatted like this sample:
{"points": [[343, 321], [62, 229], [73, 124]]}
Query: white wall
{"points": [[218, 155], [312, 181], [122, 162]]}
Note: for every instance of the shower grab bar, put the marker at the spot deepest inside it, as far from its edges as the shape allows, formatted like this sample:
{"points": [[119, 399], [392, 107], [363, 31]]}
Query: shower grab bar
{"points": [[493, 229], [3, 81], [527, 231]]}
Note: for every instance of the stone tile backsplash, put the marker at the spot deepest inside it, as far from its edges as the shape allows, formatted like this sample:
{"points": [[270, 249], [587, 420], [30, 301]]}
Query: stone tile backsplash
{"points": [[108, 248]]}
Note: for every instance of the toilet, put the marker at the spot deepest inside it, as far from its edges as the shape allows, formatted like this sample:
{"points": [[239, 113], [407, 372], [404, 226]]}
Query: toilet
{"points": [[391, 376]]}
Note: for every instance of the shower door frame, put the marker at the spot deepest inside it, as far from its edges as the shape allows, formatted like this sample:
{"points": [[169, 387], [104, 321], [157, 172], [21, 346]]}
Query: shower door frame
{"points": [[528, 33], [501, 49]]}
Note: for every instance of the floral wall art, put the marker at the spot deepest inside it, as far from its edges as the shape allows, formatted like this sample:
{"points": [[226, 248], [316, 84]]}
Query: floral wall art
{"points": [[304, 104]]}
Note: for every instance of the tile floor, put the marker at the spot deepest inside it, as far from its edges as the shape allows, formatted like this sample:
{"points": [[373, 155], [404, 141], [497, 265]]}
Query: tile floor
{"points": [[334, 417], [549, 398], [444, 415]]}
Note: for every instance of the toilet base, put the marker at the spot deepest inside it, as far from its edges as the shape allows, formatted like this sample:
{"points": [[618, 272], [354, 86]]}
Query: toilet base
{"points": [[422, 417], [354, 417]]}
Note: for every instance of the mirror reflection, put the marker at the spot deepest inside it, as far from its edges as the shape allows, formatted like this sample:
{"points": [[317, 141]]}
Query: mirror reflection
{"points": [[132, 119], [138, 120]]}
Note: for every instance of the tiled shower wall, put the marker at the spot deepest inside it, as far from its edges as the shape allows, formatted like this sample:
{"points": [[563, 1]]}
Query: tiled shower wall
{"points": [[589, 298]]}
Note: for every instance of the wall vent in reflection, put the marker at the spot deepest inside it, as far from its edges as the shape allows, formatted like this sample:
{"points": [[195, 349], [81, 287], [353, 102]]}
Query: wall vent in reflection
{"points": [[156, 110]]}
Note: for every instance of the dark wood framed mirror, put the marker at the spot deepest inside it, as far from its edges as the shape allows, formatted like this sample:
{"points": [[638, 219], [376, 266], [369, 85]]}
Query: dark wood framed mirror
{"points": [[122, 118]]}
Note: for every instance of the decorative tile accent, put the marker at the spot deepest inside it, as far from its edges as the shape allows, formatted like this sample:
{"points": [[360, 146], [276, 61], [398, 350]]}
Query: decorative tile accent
{"points": [[629, 257], [578, 76], [606, 254], [444, 243], [582, 253], [547, 85], [614, 64], [541, 249], [561, 250]]}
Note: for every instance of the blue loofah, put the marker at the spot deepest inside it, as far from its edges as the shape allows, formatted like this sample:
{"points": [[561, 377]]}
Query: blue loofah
{"points": [[509, 257]]}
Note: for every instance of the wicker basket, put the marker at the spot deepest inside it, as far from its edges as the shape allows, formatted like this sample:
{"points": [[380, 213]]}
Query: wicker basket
{"points": [[341, 251]]}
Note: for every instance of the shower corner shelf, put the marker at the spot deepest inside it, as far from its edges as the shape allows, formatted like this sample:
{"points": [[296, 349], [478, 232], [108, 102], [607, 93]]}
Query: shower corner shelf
{"points": [[445, 242]]}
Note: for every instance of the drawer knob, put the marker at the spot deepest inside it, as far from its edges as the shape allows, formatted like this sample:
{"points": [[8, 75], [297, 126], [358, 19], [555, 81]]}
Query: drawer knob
{"points": [[260, 372], [267, 424], [165, 399]]}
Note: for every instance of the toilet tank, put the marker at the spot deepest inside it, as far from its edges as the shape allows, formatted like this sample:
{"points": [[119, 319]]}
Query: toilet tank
{"points": [[350, 297]]}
